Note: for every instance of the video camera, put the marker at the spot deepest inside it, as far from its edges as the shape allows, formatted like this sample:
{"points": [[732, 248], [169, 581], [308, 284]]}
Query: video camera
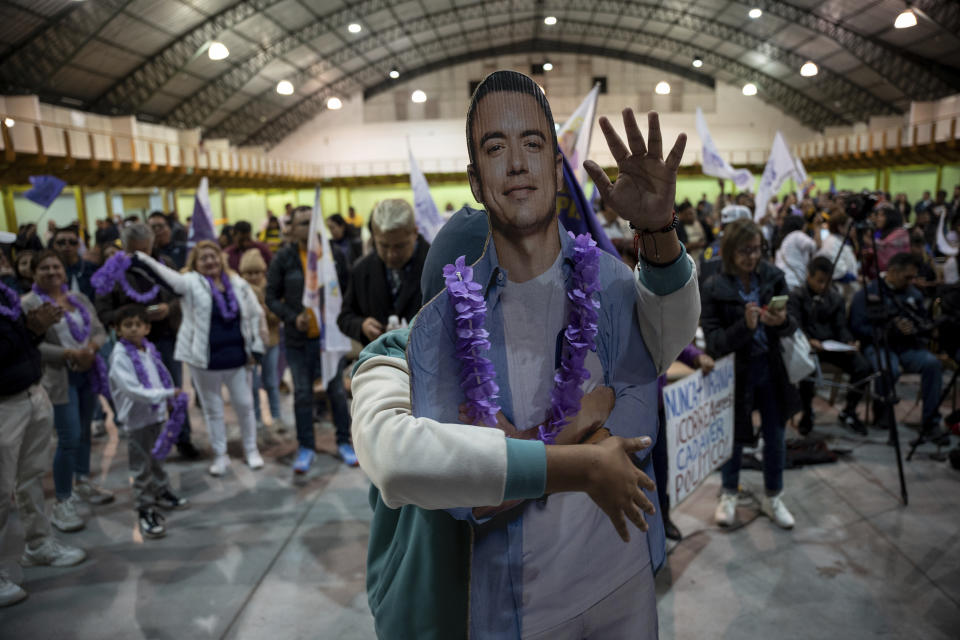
{"points": [[859, 205]]}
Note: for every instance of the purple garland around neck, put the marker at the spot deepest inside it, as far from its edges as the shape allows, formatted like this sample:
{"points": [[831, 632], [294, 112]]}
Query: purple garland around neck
{"points": [[114, 271], [98, 372], [477, 376], [13, 299], [579, 337], [230, 306], [171, 430], [81, 333]]}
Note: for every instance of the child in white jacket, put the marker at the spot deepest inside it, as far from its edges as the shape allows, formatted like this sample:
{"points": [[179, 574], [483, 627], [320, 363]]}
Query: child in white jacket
{"points": [[142, 388]]}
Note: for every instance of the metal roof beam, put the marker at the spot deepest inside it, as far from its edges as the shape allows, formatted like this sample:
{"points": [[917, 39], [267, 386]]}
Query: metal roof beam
{"points": [[130, 93], [29, 67], [855, 102], [926, 80], [791, 101]]}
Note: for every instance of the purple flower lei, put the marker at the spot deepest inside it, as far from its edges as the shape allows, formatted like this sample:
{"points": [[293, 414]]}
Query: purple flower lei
{"points": [[98, 372], [477, 374], [12, 311], [81, 333], [229, 307], [578, 338], [476, 371], [171, 430], [114, 271]]}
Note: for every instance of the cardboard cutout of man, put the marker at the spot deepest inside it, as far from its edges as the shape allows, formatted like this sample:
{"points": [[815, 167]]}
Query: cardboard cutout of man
{"points": [[567, 563]]}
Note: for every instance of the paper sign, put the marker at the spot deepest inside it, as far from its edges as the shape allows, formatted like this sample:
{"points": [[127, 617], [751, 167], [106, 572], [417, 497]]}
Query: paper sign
{"points": [[839, 347], [699, 427]]}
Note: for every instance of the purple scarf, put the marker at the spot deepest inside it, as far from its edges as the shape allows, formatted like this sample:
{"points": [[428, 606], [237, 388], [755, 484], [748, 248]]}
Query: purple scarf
{"points": [[114, 271], [171, 430], [98, 372], [13, 300], [230, 306]]}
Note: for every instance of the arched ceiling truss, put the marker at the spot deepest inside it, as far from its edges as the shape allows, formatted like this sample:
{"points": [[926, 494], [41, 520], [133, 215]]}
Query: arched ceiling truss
{"points": [[146, 57]]}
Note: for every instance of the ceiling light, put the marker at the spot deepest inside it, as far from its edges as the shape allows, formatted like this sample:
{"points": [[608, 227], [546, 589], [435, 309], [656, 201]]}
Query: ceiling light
{"points": [[550, 21], [749, 89], [217, 51], [755, 13], [418, 96], [9, 122], [698, 62], [394, 73], [285, 88], [548, 66], [809, 69], [662, 88], [354, 28], [334, 103], [906, 19]]}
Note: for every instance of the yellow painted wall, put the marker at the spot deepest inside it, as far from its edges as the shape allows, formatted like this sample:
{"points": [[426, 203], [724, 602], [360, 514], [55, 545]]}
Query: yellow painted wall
{"points": [[253, 204]]}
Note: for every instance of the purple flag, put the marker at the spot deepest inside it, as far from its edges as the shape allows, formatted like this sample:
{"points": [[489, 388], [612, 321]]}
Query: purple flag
{"points": [[201, 223], [576, 214], [45, 190]]}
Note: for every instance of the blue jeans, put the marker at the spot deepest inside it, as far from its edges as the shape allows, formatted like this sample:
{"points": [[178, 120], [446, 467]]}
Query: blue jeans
{"points": [[72, 422], [265, 375], [305, 366], [915, 361], [772, 427], [175, 367], [105, 352]]}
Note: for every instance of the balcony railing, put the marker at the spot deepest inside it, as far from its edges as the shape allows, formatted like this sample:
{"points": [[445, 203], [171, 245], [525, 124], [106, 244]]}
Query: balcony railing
{"points": [[44, 140]]}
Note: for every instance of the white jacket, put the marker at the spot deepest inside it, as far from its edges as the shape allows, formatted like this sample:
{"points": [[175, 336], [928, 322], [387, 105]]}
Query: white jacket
{"points": [[137, 406], [193, 338], [436, 465]]}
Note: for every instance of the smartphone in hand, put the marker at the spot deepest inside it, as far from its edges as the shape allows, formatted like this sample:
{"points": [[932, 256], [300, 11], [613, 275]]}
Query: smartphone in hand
{"points": [[777, 303]]}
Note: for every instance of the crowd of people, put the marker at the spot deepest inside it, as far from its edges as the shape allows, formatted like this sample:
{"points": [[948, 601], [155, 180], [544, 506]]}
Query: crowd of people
{"points": [[105, 327], [91, 329]]}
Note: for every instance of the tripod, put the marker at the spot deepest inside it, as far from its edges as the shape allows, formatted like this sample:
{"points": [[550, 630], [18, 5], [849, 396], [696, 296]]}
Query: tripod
{"points": [[878, 339], [922, 438]]}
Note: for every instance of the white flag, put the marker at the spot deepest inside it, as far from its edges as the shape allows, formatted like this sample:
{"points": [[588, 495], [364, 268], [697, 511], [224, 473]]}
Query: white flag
{"points": [[801, 178], [322, 272], [574, 135], [201, 221], [713, 162], [780, 166], [943, 244], [424, 208]]}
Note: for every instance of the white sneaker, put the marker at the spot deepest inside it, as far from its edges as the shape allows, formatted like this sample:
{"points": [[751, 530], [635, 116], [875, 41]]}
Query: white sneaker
{"points": [[773, 508], [726, 513], [10, 592], [219, 466], [254, 460], [52, 553], [89, 491], [65, 516]]}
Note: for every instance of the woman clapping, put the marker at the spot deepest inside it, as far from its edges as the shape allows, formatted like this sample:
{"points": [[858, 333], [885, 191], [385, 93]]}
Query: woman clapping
{"points": [[73, 376]]}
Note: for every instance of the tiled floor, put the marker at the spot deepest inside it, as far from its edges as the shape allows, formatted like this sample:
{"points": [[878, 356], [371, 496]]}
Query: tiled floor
{"points": [[258, 556]]}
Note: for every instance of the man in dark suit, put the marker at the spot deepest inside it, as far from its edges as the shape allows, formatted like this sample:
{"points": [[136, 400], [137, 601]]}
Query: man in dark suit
{"points": [[386, 282]]}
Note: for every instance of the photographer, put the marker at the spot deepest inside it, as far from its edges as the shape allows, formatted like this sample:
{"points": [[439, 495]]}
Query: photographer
{"points": [[822, 315], [901, 313]]}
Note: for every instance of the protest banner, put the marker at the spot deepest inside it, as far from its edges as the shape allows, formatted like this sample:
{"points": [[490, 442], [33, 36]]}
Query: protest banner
{"points": [[699, 427]]}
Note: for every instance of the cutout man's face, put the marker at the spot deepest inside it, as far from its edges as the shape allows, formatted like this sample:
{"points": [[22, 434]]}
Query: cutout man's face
{"points": [[516, 170]]}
